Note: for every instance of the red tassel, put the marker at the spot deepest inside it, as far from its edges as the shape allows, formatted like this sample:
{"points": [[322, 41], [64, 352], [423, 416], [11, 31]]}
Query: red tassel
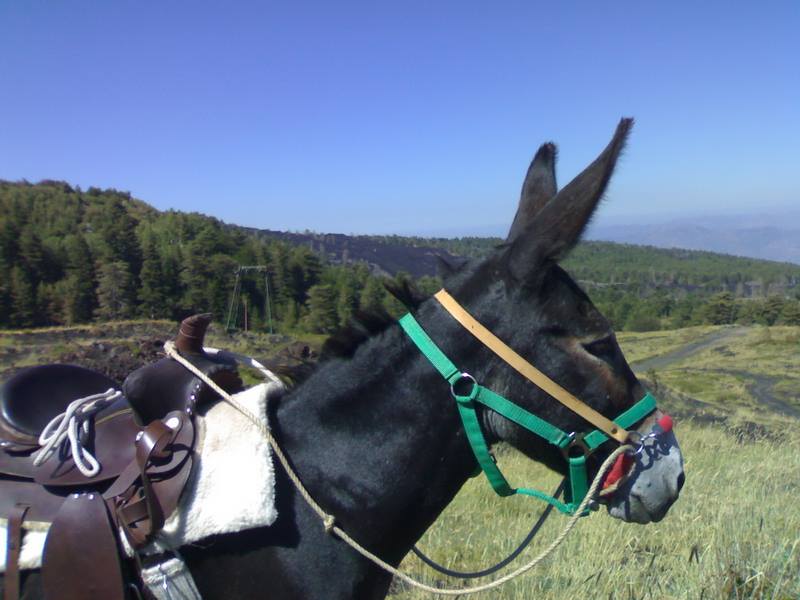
{"points": [[665, 423]]}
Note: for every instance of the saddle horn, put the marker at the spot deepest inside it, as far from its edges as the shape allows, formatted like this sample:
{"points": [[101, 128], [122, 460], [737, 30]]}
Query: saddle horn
{"points": [[165, 385], [192, 332]]}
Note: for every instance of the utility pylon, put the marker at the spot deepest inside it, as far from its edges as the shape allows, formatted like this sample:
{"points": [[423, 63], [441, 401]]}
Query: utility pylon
{"points": [[233, 306]]}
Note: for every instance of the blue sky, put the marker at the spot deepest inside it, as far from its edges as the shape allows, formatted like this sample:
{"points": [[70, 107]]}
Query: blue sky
{"points": [[404, 116]]}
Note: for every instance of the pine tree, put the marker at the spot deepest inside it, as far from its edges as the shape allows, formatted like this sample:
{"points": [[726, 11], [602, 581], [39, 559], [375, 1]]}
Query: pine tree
{"points": [[221, 272], [151, 294], [171, 281], [282, 283], [5, 298], [78, 292], [347, 300], [115, 293], [749, 311], [720, 309], [23, 299], [372, 295], [791, 313], [31, 254], [322, 316], [304, 268], [118, 231], [193, 277], [49, 304], [773, 308]]}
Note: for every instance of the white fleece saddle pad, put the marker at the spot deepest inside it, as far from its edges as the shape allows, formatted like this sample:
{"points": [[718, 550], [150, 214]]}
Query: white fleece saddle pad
{"points": [[231, 488]]}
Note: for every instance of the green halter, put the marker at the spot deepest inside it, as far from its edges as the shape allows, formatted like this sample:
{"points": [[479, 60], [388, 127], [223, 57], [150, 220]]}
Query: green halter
{"points": [[577, 475]]}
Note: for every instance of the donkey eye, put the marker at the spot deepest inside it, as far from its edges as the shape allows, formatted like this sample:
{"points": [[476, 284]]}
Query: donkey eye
{"points": [[602, 348]]}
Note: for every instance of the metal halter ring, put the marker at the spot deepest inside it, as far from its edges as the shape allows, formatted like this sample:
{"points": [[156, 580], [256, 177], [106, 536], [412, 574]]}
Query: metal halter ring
{"points": [[576, 442], [640, 442], [473, 392]]}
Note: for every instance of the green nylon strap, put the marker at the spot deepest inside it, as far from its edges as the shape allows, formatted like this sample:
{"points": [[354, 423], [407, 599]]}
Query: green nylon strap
{"points": [[469, 417], [567, 509], [466, 409], [634, 414], [579, 484], [428, 347], [472, 427], [522, 417]]}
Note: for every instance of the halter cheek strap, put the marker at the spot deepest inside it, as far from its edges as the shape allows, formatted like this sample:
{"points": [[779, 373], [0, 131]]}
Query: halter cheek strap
{"points": [[527, 370], [467, 400]]}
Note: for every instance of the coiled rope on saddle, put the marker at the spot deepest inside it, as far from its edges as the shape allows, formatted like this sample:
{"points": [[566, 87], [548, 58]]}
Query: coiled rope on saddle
{"points": [[329, 521], [67, 427]]}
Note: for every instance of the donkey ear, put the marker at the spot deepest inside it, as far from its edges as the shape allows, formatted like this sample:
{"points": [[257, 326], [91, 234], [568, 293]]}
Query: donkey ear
{"points": [[557, 227], [538, 189], [448, 265]]}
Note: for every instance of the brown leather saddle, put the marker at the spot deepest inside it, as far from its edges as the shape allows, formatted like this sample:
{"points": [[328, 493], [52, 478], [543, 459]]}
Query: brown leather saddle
{"points": [[144, 442]]}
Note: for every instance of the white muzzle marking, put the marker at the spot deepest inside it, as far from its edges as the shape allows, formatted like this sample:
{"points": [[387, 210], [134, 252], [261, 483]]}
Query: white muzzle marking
{"points": [[654, 482]]}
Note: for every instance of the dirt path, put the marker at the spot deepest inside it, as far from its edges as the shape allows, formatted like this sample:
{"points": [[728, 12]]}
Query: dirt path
{"points": [[707, 341], [760, 387]]}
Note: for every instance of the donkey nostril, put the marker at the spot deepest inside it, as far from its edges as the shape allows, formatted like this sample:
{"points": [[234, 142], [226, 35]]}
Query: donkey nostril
{"points": [[681, 481]]}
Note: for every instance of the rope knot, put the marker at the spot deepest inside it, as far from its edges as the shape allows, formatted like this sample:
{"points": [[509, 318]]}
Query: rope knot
{"points": [[329, 521]]}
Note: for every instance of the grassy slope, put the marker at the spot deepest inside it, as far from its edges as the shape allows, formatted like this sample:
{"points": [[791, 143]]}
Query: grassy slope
{"points": [[732, 534]]}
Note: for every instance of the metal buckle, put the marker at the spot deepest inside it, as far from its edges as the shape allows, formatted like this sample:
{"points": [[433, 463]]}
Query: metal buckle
{"points": [[576, 442], [640, 442], [462, 397]]}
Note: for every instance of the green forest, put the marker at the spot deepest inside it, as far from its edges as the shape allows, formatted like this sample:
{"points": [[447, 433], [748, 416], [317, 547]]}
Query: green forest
{"points": [[70, 256]]}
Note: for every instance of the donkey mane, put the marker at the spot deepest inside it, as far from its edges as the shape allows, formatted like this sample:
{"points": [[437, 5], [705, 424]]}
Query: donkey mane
{"points": [[363, 325]]}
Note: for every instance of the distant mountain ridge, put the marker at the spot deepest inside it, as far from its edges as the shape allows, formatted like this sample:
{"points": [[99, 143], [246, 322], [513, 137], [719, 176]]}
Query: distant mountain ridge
{"points": [[765, 236], [770, 235], [596, 264], [384, 257]]}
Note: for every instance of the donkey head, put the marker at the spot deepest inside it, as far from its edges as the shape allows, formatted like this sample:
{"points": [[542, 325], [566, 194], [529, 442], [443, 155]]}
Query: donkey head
{"points": [[529, 301]]}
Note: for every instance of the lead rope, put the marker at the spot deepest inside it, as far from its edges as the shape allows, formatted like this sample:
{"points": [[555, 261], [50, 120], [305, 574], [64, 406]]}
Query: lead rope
{"points": [[329, 521]]}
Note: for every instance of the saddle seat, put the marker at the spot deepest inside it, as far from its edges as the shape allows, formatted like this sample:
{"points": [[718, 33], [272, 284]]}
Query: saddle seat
{"points": [[36, 395]]}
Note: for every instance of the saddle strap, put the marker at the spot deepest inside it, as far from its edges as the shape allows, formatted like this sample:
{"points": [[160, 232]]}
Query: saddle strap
{"points": [[148, 490], [13, 549], [80, 557]]}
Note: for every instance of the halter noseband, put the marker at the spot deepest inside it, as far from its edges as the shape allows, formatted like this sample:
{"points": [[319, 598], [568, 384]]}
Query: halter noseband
{"points": [[568, 443]]}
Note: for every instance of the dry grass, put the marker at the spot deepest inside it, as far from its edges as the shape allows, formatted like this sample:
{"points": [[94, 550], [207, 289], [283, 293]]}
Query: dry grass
{"points": [[734, 533]]}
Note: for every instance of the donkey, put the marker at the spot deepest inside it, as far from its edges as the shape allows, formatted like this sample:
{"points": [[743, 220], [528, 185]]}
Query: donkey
{"points": [[375, 435]]}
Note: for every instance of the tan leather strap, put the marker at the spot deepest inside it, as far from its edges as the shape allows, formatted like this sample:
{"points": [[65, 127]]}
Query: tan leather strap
{"points": [[527, 370]]}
